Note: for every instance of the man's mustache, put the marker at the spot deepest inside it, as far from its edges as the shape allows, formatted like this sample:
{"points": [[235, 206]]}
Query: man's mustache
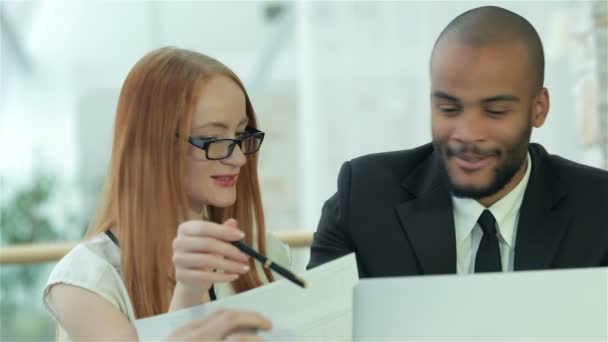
{"points": [[455, 150]]}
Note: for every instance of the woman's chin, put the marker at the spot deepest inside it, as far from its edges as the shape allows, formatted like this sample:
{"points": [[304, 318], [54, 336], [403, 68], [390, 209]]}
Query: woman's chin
{"points": [[223, 202]]}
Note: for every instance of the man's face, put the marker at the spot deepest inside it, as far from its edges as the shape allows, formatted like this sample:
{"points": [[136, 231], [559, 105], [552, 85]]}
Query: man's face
{"points": [[483, 110]]}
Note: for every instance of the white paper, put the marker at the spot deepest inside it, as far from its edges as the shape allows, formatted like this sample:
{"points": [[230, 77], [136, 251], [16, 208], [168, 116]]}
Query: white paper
{"points": [[322, 311]]}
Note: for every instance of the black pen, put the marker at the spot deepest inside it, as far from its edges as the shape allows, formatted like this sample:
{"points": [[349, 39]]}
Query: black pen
{"points": [[267, 263]]}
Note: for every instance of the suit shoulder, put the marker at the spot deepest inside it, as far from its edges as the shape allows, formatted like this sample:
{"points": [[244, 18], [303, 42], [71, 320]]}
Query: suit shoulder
{"points": [[579, 176]]}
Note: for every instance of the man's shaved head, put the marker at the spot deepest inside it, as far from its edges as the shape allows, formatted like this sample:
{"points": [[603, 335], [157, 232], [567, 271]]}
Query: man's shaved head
{"points": [[491, 25]]}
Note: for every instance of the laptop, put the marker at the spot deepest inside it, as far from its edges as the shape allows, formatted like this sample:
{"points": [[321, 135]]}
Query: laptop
{"points": [[551, 305]]}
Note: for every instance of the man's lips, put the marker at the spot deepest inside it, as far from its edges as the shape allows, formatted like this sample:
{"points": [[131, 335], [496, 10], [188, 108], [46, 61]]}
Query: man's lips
{"points": [[470, 161]]}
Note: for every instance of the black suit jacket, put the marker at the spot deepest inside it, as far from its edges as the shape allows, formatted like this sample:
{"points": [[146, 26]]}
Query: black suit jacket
{"points": [[395, 211]]}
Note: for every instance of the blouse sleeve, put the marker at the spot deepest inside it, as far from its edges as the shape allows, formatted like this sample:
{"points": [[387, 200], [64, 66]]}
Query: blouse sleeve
{"points": [[83, 268]]}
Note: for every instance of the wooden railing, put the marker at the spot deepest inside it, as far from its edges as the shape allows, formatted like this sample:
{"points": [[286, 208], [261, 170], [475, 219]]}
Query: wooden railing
{"points": [[50, 252]]}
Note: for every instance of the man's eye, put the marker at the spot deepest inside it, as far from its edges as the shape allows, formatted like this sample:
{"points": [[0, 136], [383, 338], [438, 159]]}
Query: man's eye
{"points": [[496, 111], [241, 134], [448, 108]]}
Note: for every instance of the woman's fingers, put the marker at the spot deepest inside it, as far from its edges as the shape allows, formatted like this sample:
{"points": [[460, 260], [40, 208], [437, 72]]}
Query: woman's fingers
{"points": [[208, 245], [210, 229], [198, 261], [230, 321], [244, 337], [201, 248], [187, 276], [223, 324]]}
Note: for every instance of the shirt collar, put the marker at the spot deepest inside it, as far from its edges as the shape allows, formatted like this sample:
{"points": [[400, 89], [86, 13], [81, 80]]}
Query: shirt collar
{"points": [[467, 210]]}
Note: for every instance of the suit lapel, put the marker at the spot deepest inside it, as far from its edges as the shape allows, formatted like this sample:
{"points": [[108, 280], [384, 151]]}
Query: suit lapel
{"points": [[542, 221], [428, 221], [427, 218]]}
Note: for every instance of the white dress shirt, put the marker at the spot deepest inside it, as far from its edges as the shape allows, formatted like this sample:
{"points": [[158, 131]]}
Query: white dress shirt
{"points": [[468, 232]]}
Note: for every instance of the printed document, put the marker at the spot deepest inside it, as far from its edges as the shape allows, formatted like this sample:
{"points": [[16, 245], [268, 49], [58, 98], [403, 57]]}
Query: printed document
{"points": [[321, 311]]}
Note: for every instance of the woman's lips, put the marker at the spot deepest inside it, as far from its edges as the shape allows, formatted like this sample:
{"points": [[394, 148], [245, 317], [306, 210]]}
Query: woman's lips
{"points": [[225, 181]]}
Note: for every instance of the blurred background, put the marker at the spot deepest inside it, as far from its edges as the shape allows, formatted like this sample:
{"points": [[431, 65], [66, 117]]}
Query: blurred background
{"points": [[329, 81]]}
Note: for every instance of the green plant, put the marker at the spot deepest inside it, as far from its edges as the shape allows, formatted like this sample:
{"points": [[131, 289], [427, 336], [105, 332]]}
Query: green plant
{"points": [[25, 217], [22, 217]]}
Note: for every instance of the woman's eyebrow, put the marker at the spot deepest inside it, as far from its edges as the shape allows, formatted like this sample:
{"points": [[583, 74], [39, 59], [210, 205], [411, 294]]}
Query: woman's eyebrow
{"points": [[222, 125]]}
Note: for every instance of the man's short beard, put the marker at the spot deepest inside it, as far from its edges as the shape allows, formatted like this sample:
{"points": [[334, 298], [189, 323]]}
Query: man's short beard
{"points": [[503, 173]]}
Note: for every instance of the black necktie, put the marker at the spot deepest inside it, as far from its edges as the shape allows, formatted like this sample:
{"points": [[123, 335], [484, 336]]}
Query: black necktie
{"points": [[488, 254]]}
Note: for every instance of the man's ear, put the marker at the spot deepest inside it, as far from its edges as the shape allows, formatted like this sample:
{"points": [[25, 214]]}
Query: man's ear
{"points": [[540, 108]]}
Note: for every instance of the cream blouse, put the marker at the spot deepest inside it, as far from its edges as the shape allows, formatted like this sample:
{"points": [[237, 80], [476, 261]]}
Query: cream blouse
{"points": [[94, 265]]}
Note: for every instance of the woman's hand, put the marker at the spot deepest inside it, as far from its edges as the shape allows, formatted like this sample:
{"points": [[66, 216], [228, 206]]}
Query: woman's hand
{"points": [[222, 325], [200, 249]]}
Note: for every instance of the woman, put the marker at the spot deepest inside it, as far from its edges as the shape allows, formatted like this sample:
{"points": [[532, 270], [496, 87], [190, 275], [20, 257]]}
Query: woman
{"points": [[183, 183]]}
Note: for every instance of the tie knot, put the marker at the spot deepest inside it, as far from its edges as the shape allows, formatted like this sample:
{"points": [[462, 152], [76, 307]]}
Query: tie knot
{"points": [[487, 222]]}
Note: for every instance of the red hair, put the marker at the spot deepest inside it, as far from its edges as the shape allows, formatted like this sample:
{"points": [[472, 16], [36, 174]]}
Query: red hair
{"points": [[147, 172]]}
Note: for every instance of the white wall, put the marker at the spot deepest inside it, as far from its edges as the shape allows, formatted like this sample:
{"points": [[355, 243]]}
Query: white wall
{"points": [[340, 79]]}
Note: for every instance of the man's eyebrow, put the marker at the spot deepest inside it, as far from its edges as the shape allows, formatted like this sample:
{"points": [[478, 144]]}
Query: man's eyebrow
{"points": [[442, 95], [502, 97]]}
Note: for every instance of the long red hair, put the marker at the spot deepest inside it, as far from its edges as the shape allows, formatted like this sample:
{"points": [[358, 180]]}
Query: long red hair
{"points": [[145, 197]]}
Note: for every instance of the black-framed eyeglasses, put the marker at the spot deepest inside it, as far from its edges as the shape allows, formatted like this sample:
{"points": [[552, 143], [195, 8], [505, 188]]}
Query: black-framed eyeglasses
{"points": [[217, 149]]}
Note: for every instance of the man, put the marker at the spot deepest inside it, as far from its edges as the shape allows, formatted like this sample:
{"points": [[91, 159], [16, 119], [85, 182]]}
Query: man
{"points": [[480, 198]]}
